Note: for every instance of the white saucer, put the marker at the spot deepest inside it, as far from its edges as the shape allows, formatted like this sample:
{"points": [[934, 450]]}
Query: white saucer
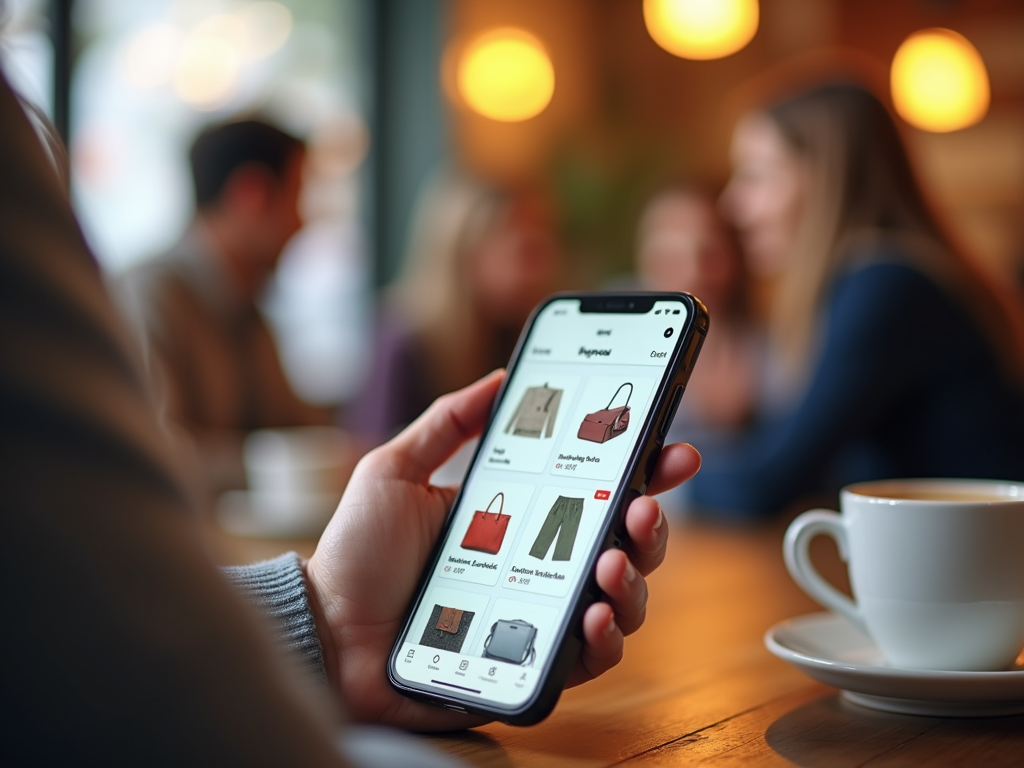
{"points": [[275, 516], [830, 649]]}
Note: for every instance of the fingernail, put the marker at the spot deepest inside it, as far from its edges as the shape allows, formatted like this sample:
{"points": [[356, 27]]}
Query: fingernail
{"points": [[661, 519], [629, 575], [610, 626]]}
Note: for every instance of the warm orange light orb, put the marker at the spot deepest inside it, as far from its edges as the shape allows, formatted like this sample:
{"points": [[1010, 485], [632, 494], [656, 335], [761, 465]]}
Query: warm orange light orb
{"points": [[701, 29], [506, 74], [939, 82]]}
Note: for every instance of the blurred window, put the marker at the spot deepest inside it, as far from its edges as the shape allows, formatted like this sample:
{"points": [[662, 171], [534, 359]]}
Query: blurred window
{"points": [[26, 52], [147, 75]]}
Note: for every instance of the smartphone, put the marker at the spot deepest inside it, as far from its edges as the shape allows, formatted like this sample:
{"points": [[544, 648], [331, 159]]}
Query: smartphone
{"points": [[495, 625]]}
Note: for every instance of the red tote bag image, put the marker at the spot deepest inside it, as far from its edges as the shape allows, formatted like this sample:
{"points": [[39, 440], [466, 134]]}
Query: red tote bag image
{"points": [[487, 531]]}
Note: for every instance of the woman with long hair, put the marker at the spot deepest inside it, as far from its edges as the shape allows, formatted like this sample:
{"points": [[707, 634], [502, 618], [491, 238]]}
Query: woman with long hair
{"points": [[909, 360], [477, 262]]}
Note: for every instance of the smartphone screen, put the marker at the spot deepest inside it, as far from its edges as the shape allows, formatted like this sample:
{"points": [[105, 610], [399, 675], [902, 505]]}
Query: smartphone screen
{"points": [[536, 503]]}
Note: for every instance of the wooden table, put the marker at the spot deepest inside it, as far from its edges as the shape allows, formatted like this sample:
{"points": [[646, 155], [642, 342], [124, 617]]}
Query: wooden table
{"points": [[697, 684]]}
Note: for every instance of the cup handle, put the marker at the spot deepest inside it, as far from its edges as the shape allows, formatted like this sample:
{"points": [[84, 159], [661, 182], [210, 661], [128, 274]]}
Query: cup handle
{"points": [[796, 551]]}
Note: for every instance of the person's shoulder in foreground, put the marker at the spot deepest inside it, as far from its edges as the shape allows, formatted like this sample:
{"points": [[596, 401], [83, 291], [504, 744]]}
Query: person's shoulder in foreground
{"points": [[130, 645]]}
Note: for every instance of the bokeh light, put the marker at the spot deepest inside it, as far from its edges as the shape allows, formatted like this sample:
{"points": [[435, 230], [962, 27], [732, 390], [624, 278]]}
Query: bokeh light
{"points": [[209, 62], [205, 62], [939, 82], [267, 27], [506, 74], [701, 29], [149, 57]]}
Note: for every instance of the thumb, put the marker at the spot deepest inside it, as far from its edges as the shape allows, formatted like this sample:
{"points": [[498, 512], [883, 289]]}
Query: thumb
{"points": [[449, 422]]}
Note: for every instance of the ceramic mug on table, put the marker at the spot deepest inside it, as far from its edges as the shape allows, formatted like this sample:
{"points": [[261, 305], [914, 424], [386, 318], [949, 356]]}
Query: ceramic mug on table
{"points": [[936, 568], [297, 461]]}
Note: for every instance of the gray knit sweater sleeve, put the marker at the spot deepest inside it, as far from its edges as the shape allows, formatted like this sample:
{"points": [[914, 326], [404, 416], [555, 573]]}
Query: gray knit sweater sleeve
{"points": [[278, 590]]}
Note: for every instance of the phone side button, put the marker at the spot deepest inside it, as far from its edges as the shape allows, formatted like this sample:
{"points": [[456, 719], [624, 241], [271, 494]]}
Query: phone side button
{"points": [[652, 462], [631, 495], [670, 414], [455, 708]]}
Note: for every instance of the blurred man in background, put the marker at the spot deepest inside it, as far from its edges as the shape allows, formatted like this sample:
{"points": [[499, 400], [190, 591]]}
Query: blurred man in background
{"points": [[210, 350]]}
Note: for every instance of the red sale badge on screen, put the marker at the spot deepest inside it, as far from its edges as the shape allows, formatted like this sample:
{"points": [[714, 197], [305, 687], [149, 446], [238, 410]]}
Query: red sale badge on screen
{"points": [[602, 495]]}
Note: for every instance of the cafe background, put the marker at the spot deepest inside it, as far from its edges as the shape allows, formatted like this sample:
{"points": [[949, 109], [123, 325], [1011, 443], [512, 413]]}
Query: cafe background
{"points": [[586, 105]]}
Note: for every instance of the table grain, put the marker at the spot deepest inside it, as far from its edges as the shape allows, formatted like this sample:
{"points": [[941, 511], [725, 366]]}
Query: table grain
{"points": [[696, 684]]}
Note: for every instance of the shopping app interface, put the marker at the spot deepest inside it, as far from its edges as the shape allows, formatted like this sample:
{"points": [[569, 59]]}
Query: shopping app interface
{"points": [[536, 498]]}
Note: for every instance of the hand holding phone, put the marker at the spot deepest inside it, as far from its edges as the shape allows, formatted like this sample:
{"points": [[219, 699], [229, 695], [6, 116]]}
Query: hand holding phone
{"points": [[365, 570]]}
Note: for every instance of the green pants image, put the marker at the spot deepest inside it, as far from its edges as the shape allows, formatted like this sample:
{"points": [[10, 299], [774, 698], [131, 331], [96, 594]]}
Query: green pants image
{"points": [[563, 519]]}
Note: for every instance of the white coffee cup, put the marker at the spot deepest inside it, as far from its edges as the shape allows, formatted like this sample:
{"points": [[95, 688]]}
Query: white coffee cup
{"points": [[297, 461], [936, 568]]}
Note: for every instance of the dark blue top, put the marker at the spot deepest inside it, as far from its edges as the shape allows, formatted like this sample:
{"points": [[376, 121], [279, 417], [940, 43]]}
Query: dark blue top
{"points": [[905, 385]]}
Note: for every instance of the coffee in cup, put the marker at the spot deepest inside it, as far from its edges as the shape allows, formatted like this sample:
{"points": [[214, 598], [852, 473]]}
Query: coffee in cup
{"points": [[936, 568]]}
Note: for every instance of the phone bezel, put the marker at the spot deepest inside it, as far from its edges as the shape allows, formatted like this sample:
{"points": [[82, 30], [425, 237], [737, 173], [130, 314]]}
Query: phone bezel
{"points": [[632, 484]]}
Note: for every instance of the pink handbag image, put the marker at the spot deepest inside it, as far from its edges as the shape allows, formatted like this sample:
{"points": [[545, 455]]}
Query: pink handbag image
{"points": [[601, 426]]}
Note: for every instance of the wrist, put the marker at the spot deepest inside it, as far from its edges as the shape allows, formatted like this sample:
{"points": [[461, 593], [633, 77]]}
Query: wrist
{"points": [[323, 628]]}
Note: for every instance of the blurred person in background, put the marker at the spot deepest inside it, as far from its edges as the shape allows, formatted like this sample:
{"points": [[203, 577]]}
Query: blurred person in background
{"points": [[209, 348], [683, 245], [478, 261], [911, 362]]}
